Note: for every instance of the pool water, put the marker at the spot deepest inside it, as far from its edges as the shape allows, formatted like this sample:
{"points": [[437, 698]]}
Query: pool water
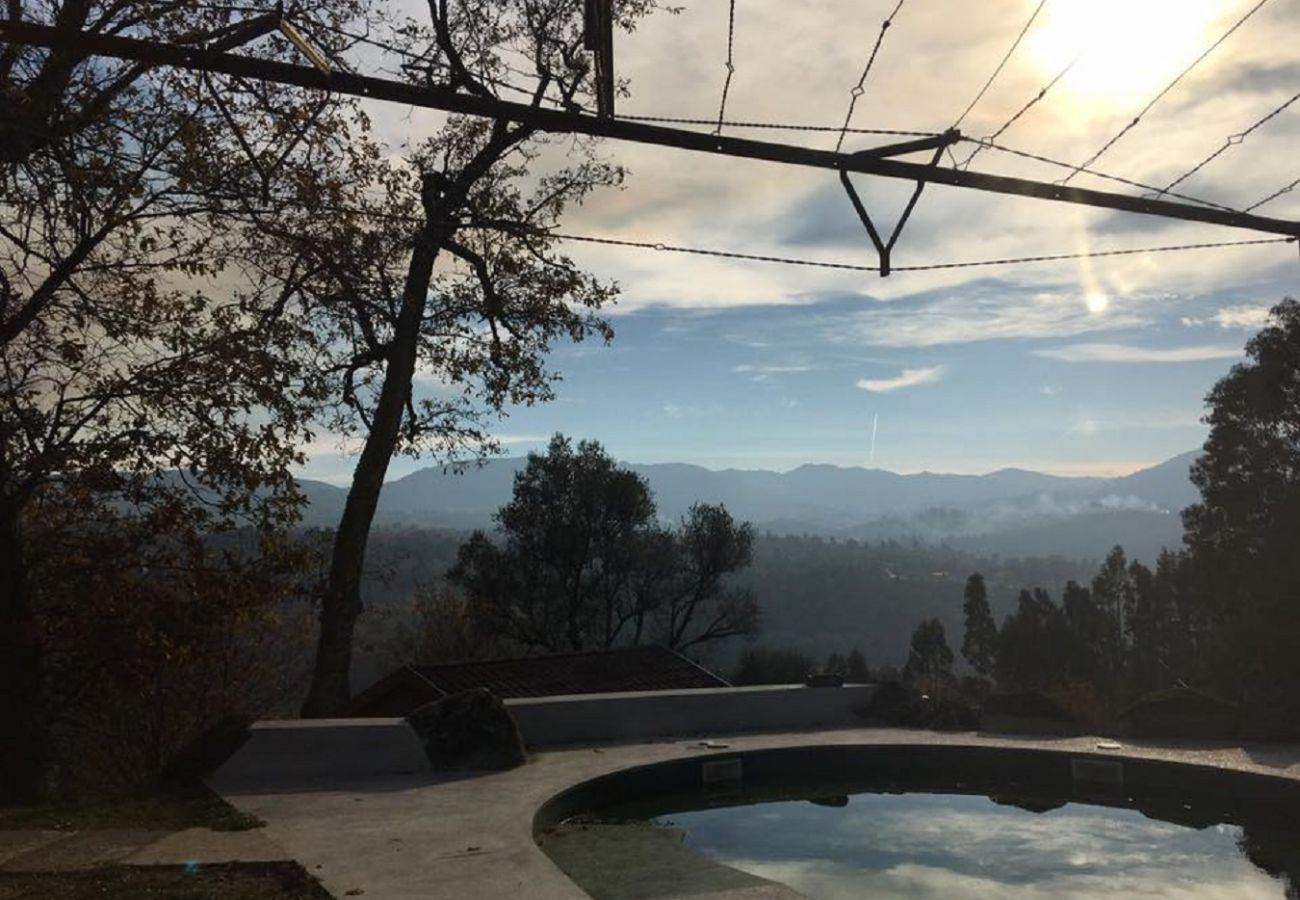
{"points": [[923, 845]]}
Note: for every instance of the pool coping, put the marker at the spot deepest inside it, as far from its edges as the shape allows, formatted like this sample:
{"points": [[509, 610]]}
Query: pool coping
{"points": [[475, 831]]}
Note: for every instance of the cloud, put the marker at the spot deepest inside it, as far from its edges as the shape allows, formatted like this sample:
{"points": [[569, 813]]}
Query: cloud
{"points": [[905, 379], [1128, 353], [689, 411], [985, 311], [1241, 316], [763, 373]]}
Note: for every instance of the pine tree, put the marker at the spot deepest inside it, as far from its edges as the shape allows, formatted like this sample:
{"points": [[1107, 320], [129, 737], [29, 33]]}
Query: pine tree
{"points": [[979, 644], [1242, 535], [857, 670], [929, 661]]}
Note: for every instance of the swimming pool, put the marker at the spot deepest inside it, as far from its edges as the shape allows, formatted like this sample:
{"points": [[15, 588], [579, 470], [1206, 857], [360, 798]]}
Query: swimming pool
{"points": [[921, 822]]}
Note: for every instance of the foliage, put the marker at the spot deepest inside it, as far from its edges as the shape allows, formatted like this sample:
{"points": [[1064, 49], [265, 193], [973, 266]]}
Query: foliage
{"points": [[1242, 533], [160, 807], [853, 667], [929, 661], [817, 595], [1031, 643], [772, 665], [443, 264], [1219, 617], [821, 594], [154, 630], [214, 881], [440, 626], [143, 358], [583, 563], [979, 641]]}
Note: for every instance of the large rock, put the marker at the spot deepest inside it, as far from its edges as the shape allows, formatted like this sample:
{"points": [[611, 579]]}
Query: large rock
{"points": [[205, 753], [471, 730], [1180, 712]]}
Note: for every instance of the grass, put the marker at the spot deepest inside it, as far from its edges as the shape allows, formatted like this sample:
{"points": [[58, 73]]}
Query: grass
{"points": [[169, 807], [225, 881]]}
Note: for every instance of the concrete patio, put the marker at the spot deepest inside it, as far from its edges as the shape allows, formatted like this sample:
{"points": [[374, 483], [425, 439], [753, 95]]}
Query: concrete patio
{"points": [[429, 836]]}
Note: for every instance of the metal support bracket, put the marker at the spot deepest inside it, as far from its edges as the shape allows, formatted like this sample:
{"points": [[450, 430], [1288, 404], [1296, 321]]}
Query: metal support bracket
{"points": [[240, 33], [442, 97], [266, 174], [885, 248], [598, 37]]}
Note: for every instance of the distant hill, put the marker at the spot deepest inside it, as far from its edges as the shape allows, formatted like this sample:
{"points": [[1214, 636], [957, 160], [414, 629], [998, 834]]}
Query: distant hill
{"points": [[1167, 485], [1011, 512]]}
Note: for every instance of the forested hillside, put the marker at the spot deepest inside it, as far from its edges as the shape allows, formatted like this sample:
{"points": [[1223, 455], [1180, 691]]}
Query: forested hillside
{"points": [[817, 595]]}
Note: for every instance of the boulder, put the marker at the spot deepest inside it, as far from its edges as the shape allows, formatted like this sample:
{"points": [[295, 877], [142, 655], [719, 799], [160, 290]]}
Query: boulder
{"points": [[469, 731], [1180, 712], [205, 753]]}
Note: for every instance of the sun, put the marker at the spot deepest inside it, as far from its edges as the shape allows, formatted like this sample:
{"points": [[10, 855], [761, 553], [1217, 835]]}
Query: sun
{"points": [[1097, 302], [1123, 50]]}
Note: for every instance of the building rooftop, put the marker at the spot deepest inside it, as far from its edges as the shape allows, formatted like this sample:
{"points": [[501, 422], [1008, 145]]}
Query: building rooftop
{"points": [[622, 669]]}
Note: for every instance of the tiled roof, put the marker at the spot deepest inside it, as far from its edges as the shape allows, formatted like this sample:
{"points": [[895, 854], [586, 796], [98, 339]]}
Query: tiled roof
{"points": [[596, 672], [599, 672]]}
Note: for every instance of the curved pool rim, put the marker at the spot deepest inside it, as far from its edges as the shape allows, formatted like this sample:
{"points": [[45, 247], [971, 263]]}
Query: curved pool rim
{"points": [[1157, 787]]}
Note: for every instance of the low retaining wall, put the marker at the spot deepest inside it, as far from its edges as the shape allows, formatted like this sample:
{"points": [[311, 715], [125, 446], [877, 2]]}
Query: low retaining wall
{"points": [[641, 715], [281, 752], [305, 749]]}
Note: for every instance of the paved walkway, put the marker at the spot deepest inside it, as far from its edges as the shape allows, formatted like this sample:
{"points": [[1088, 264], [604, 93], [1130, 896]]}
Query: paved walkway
{"points": [[411, 837]]}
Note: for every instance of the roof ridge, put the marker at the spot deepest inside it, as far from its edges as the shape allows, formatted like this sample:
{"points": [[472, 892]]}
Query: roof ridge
{"points": [[547, 656]]}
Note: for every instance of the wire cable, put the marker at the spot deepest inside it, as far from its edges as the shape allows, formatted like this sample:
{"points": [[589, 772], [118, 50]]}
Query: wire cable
{"points": [[1167, 88], [1231, 141], [998, 71], [858, 90], [1003, 148], [778, 126], [854, 267], [1043, 91], [413, 60], [1273, 196], [731, 68], [660, 246]]}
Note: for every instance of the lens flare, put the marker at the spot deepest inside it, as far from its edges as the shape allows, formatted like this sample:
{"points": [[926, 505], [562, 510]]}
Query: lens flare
{"points": [[1125, 49]]}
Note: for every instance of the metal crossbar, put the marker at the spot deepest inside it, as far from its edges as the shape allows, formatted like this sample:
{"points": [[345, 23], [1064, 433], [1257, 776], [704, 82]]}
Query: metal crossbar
{"points": [[560, 121]]}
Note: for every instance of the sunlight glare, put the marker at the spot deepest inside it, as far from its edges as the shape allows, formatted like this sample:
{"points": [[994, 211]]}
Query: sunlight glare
{"points": [[1097, 302], [1127, 49]]}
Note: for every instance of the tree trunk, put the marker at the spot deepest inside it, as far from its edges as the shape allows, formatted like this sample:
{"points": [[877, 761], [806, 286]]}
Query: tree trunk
{"points": [[341, 605], [330, 689], [24, 717]]}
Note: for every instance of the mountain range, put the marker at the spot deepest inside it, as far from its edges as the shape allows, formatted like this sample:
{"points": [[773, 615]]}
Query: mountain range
{"points": [[1010, 512]]}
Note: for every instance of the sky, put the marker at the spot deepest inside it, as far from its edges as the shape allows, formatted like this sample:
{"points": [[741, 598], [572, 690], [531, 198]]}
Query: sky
{"points": [[931, 846], [1094, 366]]}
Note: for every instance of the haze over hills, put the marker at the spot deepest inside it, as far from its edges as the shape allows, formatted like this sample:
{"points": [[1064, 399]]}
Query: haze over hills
{"points": [[1011, 512]]}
